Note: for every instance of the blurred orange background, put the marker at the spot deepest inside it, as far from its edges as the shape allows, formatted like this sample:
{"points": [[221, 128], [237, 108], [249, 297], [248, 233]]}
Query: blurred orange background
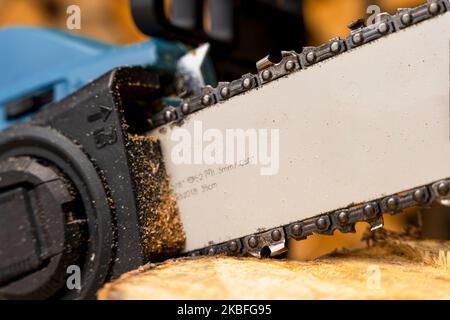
{"points": [[111, 20]]}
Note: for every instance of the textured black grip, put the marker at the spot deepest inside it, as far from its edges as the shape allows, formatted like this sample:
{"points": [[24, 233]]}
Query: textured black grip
{"points": [[149, 16], [185, 23]]}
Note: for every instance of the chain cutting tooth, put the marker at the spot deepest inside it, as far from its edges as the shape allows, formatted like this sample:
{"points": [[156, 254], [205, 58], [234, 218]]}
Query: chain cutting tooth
{"points": [[266, 244], [356, 37], [357, 24], [263, 63], [376, 223]]}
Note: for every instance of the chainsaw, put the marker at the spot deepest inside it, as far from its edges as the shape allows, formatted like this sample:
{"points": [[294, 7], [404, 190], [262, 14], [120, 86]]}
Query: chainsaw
{"points": [[143, 164], [357, 119]]}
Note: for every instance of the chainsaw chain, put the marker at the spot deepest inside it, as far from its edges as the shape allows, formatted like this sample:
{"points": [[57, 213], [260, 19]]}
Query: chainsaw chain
{"points": [[274, 241], [292, 61]]}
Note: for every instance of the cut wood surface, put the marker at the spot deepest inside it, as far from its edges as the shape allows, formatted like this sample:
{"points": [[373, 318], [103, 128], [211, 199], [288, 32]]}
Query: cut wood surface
{"points": [[391, 267]]}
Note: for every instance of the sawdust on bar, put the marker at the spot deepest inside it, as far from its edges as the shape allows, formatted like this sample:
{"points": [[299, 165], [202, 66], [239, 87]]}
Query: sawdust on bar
{"points": [[161, 227]]}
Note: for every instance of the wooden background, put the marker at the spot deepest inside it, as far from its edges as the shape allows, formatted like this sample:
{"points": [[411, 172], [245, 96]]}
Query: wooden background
{"points": [[394, 266]]}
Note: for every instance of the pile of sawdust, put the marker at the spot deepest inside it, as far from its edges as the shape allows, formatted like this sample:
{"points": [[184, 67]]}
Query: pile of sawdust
{"points": [[411, 245]]}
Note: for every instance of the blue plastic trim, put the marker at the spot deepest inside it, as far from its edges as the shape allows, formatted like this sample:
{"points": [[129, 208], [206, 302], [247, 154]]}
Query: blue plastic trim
{"points": [[35, 59]]}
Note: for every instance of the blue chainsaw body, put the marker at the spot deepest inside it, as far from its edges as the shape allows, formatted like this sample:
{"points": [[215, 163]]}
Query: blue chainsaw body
{"points": [[39, 60]]}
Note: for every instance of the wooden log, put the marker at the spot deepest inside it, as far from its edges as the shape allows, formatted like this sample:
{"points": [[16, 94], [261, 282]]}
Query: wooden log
{"points": [[391, 267]]}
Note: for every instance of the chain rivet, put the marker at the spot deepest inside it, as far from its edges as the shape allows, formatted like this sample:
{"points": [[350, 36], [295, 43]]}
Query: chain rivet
{"points": [[252, 242], [392, 203], [266, 75], [185, 107], [232, 246], [419, 196], [206, 100], [310, 56], [357, 38], [443, 188], [246, 83], [169, 115], [406, 18], [321, 223], [369, 211], [296, 230], [343, 217], [289, 65], [276, 235], [383, 28], [335, 46], [433, 8], [225, 92]]}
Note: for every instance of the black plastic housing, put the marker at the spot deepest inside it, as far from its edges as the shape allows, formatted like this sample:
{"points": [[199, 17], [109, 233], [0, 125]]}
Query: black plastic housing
{"points": [[84, 137]]}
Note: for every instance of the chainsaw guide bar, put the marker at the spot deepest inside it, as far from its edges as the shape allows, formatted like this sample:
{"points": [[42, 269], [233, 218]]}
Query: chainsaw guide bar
{"points": [[273, 241]]}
